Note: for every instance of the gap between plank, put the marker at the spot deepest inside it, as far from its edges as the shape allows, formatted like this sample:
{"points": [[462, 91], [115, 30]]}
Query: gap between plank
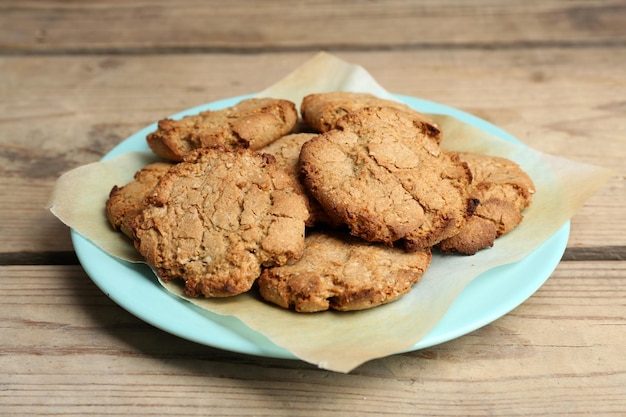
{"points": [[600, 253], [176, 50], [38, 258]]}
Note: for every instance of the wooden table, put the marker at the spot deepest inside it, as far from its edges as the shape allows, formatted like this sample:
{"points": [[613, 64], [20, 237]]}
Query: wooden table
{"points": [[76, 78]]}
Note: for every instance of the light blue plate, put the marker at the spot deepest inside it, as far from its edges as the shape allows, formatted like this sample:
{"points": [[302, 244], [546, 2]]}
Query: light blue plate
{"points": [[135, 288]]}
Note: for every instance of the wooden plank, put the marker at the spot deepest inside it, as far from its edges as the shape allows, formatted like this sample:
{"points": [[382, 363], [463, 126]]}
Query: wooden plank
{"points": [[57, 113], [29, 228], [562, 351], [532, 100], [118, 25]]}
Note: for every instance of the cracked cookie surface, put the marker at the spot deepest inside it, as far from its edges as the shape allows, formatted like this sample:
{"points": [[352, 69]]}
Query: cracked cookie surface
{"points": [[252, 123], [214, 219], [386, 180], [322, 110], [126, 202], [286, 150], [342, 272]]}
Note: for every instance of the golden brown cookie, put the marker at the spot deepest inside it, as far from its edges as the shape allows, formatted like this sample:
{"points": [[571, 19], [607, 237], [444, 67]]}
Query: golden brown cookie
{"points": [[214, 219], [321, 111], [386, 180], [286, 150], [344, 273], [501, 190], [252, 123], [478, 233], [126, 202]]}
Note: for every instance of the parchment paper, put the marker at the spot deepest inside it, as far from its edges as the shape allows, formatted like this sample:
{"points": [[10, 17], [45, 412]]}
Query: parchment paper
{"points": [[342, 341]]}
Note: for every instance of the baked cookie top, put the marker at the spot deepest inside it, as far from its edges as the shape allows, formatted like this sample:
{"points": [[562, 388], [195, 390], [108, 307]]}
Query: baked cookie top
{"points": [[385, 179], [126, 202], [214, 219], [322, 110], [501, 190], [342, 272], [286, 150], [252, 123], [497, 177]]}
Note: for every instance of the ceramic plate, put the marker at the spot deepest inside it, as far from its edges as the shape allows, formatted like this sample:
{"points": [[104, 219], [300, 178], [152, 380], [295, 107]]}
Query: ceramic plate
{"points": [[487, 298]]}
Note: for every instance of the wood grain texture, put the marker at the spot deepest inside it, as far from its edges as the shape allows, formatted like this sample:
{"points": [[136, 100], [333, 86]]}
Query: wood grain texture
{"points": [[76, 78], [71, 110], [62, 112], [74, 349], [191, 25]]}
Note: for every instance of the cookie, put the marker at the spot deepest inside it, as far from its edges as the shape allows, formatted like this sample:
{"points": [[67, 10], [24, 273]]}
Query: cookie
{"points": [[252, 123], [501, 190], [286, 150], [126, 202], [214, 219], [386, 180], [321, 111], [478, 233], [343, 273]]}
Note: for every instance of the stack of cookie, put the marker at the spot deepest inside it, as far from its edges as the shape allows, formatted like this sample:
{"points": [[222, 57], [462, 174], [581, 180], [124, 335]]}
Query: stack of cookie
{"points": [[341, 214]]}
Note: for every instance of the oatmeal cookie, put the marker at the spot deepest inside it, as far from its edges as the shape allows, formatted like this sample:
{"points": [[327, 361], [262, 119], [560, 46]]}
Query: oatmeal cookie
{"points": [[386, 180], [252, 123], [343, 273], [126, 202], [321, 111], [501, 190], [214, 219]]}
